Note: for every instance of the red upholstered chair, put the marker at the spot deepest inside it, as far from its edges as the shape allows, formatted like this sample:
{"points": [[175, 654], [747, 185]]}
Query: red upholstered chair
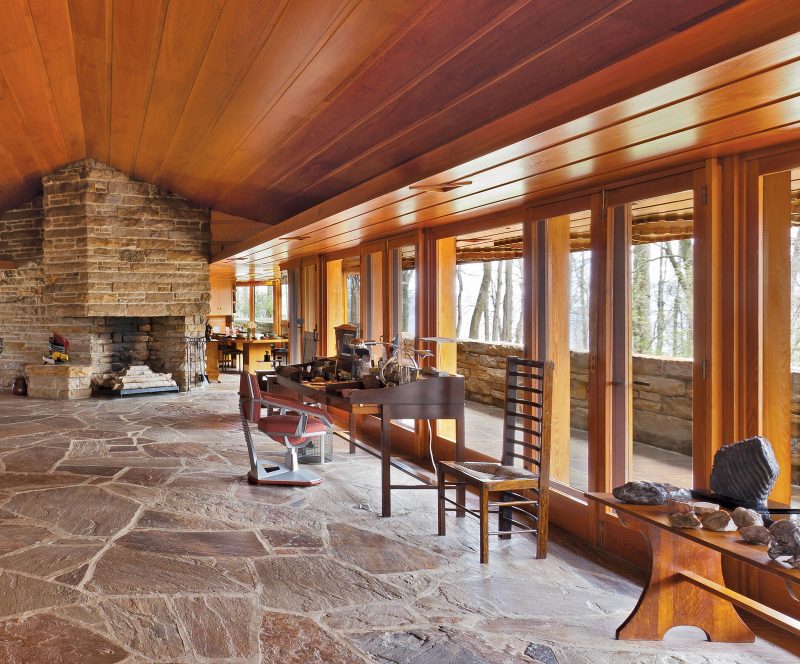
{"points": [[289, 422]]}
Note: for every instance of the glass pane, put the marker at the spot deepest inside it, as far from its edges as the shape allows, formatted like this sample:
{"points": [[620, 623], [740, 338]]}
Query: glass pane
{"points": [[242, 312], [353, 298], [309, 298], [662, 291], [404, 307], [795, 336], [284, 296], [405, 295], [489, 285], [373, 293], [342, 297], [488, 288], [580, 263], [264, 313]]}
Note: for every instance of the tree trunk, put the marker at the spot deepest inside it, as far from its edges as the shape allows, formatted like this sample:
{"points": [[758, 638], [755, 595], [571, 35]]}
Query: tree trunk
{"points": [[459, 317], [660, 330], [508, 302], [497, 299], [480, 304], [640, 299]]}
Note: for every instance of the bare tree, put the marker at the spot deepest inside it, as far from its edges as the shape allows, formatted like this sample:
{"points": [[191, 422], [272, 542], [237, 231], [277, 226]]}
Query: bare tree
{"points": [[460, 281], [640, 298], [480, 304], [508, 302]]}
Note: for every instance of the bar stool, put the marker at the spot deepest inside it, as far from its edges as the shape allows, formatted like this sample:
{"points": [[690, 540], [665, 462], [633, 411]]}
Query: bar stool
{"points": [[280, 356], [231, 358]]}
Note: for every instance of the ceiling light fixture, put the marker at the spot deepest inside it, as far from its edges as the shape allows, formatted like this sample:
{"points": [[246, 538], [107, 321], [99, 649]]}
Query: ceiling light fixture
{"points": [[441, 188]]}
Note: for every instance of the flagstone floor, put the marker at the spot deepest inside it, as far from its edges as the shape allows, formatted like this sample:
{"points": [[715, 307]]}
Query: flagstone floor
{"points": [[129, 534]]}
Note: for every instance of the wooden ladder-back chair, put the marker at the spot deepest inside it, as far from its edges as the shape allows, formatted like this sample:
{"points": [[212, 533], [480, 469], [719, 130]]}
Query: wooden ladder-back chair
{"points": [[519, 489]]}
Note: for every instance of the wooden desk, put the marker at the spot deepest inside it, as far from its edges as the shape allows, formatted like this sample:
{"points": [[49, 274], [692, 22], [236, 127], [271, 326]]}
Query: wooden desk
{"points": [[436, 398], [686, 586], [253, 350], [212, 359]]}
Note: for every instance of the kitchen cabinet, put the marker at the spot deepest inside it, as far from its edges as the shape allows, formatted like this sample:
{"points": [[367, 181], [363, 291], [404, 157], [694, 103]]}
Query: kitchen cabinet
{"points": [[221, 297]]}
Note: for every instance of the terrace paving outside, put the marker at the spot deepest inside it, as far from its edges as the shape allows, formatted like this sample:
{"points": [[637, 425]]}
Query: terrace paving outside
{"points": [[484, 426], [129, 534]]}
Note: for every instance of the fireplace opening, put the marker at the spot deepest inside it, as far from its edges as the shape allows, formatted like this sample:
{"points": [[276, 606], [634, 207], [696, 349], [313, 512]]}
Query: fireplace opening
{"points": [[134, 355]]}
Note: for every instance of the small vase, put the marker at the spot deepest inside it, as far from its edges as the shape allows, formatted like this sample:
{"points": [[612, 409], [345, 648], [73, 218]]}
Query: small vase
{"points": [[20, 386]]}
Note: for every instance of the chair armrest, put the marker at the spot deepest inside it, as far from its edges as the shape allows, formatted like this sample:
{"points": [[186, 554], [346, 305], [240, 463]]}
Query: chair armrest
{"points": [[297, 407]]}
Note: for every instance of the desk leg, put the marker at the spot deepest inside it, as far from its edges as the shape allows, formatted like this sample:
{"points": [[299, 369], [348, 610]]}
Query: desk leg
{"points": [[352, 426], [461, 488], [386, 469], [669, 601]]}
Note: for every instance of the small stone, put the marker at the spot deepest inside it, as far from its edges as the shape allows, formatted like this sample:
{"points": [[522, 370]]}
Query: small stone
{"points": [[649, 493], [744, 517], [684, 520], [755, 534], [719, 521], [679, 507], [785, 542], [705, 508]]}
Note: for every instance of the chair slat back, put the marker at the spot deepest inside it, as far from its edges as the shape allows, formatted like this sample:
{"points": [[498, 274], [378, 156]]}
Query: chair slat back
{"points": [[249, 395], [526, 420]]}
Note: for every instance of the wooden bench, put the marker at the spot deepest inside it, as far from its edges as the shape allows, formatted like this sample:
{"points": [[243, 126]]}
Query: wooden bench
{"points": [[686, 586]]}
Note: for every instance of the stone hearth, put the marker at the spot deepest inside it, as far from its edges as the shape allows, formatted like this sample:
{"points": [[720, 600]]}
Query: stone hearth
{"points": [[95, 248], [59, 381]]}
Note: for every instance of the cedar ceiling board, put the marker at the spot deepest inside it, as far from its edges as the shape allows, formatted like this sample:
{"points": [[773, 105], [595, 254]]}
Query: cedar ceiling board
{"points": [[23, 69], [735, 144], [91, 30], [242, 30], [358, 39], [52, 24], [281, 61], [585, 149], [416, 127], [394, 69], [188, 29], [719, 101], [136, 35], [699, 46]]}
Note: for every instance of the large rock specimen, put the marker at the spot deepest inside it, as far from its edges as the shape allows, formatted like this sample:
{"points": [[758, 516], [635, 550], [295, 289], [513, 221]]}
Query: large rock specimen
{"points": [[650, 493], [785, 542], [745, 471]]}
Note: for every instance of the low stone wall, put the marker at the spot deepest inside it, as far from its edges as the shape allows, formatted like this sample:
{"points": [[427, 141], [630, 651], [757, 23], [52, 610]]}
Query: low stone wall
{"points": [[662, 391]]}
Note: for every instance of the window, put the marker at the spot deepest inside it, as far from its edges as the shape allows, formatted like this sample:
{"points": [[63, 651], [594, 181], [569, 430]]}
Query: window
{"points": [[489, 285], [404, 284], [659, 386], [284, 295], [353, 298], [242, 312], [264, 313]]}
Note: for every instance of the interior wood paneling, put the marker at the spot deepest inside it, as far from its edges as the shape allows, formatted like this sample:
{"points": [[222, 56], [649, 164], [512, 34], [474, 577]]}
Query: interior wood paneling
{"points": [[748, 101], [267, 110]]}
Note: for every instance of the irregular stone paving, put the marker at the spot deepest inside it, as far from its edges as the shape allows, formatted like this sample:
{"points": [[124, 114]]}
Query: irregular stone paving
{"points": [[128, 533]]}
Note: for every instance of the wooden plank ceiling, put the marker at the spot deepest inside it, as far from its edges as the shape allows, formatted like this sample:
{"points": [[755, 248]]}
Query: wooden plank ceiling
{"points": [[272, 110], [744, 102]]}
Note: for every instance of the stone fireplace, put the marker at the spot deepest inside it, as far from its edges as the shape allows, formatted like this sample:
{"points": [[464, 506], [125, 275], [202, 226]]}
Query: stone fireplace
{"points": [[117, 266], [118, 342]]}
